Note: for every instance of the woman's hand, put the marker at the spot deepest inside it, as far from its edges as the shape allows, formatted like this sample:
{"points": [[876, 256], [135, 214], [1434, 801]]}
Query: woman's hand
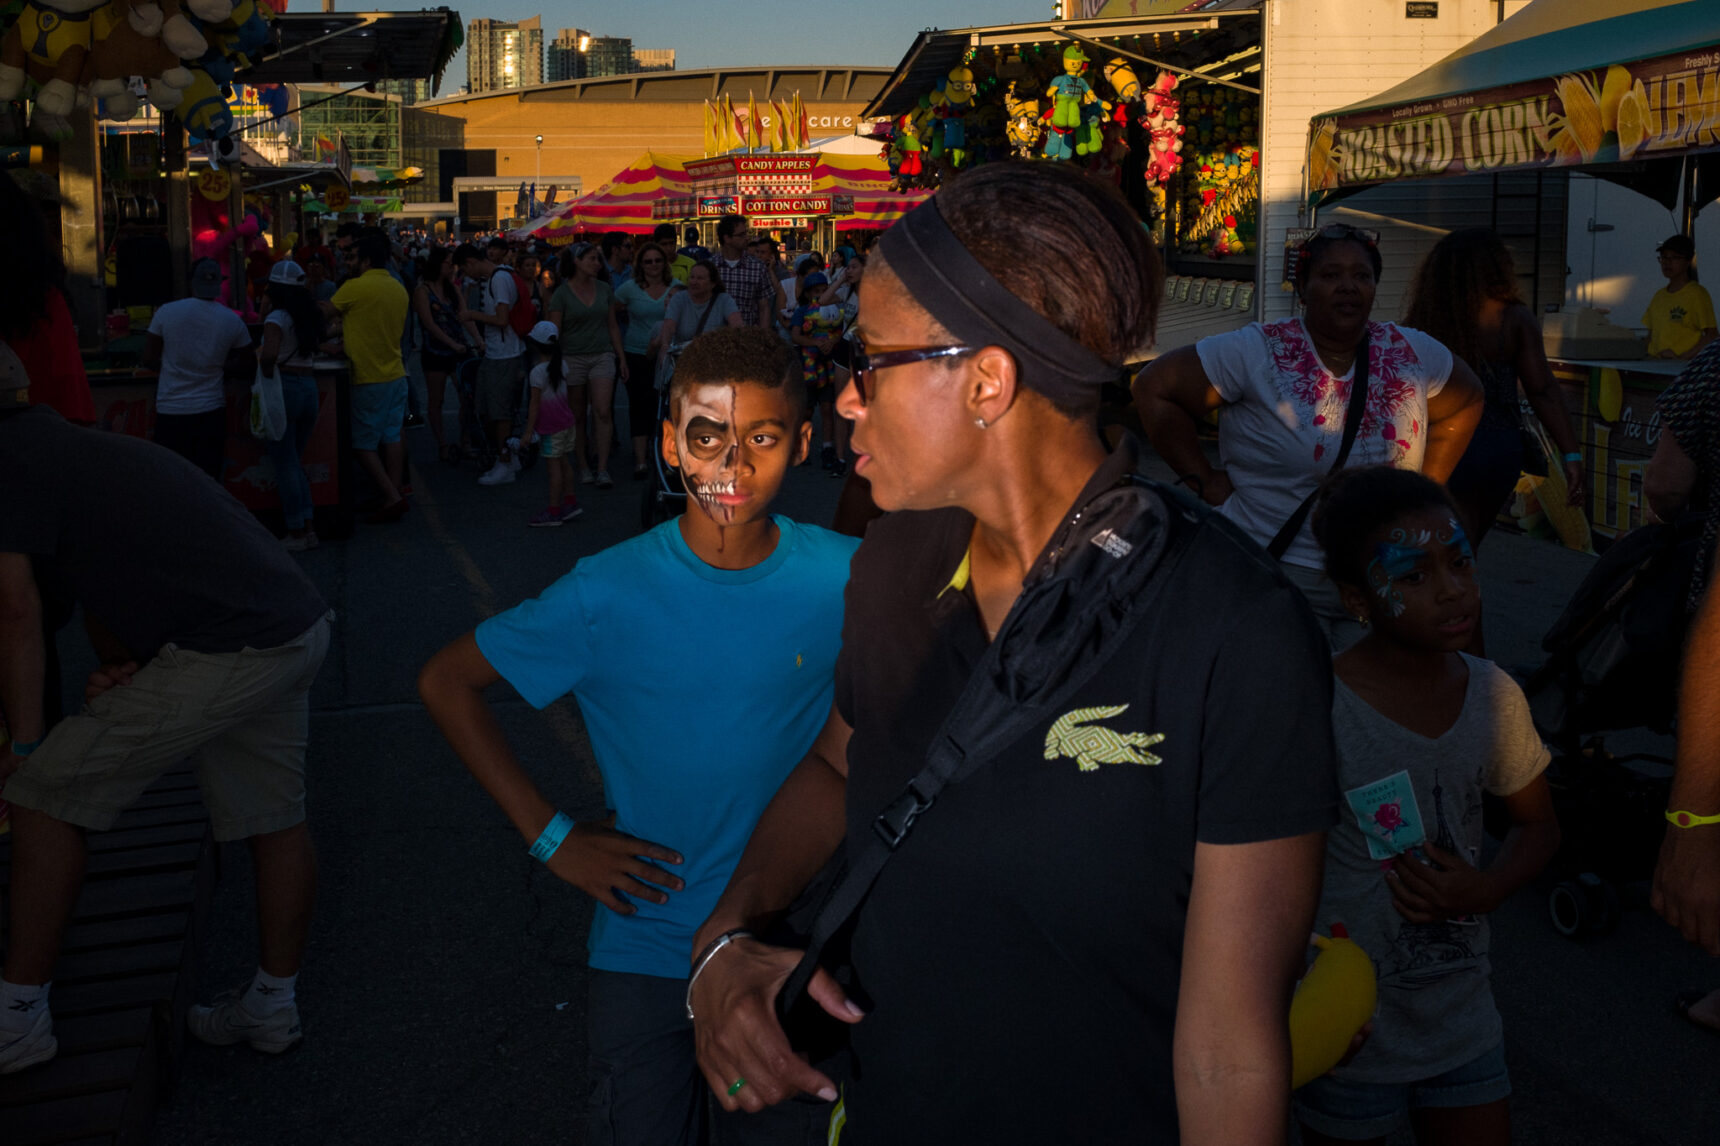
{"points": [[605, 863], [621, 370], [1216, 488], [1574, 476], [737, 1034]]}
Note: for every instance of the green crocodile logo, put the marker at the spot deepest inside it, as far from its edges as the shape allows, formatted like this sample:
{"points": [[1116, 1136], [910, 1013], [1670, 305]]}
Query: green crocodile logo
{"points": [[1076, 737]]}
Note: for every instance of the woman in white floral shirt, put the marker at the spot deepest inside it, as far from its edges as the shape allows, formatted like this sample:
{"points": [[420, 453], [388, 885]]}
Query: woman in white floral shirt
{"points": [[1282, 390]]}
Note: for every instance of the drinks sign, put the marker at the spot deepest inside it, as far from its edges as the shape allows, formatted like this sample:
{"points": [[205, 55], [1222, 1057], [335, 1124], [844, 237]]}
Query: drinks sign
{"points": [[1649, 109]]}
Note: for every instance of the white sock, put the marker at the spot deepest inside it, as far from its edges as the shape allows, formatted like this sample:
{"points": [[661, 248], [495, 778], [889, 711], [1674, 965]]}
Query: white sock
{"points": [[267, 994], [19, 1005]]}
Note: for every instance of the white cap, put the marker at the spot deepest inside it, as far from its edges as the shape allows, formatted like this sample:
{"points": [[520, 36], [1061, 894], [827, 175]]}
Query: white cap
{"points": [[288, 272], [544, 332]]}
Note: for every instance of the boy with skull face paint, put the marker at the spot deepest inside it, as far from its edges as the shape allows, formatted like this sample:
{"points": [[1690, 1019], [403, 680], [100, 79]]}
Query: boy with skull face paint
{"points": [[685, 792]]}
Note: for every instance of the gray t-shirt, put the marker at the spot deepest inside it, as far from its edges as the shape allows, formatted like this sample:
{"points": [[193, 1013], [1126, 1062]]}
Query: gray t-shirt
{"points": [[685, 313], [144, 541], [1401, 789]]}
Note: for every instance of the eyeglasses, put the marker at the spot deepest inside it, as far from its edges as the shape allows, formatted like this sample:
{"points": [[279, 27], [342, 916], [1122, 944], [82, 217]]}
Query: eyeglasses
{"points": [[865, 365]]}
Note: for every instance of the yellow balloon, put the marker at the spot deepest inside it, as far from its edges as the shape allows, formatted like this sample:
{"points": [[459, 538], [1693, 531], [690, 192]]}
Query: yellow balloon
{"points": [[1334, 1000]]}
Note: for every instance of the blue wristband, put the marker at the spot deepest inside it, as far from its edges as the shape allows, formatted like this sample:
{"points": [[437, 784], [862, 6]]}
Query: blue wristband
{"points": [[24, 747], [1573, 457], [553, 834]]}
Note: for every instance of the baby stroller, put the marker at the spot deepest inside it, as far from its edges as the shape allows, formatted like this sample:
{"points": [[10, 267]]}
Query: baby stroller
{"points": [[1613, 659], [664, 495]]}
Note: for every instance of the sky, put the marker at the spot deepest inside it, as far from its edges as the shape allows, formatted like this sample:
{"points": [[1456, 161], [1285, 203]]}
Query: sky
{"points": [[730, 33]]}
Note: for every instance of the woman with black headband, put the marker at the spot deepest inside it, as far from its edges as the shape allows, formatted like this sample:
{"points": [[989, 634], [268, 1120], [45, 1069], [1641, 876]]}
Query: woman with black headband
{"points": [[1302, 397], [1079, 767]]}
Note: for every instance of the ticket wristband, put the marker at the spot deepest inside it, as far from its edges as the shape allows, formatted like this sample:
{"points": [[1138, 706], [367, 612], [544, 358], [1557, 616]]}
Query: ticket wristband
{"points": [[553, 834], [24, 747], [1690, 819], [1573, 457]]}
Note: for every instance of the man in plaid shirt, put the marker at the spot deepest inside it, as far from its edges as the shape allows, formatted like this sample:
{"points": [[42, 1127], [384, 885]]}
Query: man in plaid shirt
{"points": [[745, 277]]}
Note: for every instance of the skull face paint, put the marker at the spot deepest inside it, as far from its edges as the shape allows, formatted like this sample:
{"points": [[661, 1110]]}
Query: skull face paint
{"points": [[708, 438]]}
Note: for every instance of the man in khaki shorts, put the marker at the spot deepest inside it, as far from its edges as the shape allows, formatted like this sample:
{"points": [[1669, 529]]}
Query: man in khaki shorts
{"points": [[209, 637]]}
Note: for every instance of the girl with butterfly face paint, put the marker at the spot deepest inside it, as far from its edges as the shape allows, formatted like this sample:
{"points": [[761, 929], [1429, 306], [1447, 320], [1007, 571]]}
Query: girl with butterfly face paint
{"points": [[1423, 730]]}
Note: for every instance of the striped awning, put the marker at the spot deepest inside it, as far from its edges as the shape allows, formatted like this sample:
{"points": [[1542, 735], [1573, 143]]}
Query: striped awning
{"points": [[626, 202]]}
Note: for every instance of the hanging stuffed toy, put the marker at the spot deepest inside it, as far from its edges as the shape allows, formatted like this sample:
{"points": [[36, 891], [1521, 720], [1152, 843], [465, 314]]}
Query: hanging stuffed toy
{"points": [[1069, 95], [48, 43], [952, 111], [1123, 81], [1024, 129], [121, 51]]}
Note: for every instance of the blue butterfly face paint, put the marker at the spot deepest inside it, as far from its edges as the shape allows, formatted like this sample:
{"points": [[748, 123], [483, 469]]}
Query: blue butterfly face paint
{"points": [[1398, 557]]}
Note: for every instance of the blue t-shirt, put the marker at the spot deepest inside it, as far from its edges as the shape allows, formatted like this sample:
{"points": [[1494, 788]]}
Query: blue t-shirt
{"points": [[701, 689]]}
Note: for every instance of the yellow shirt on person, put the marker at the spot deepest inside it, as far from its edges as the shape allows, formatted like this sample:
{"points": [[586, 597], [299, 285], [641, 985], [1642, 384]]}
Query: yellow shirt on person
{"points": [[372, 319], [1676, 321]]}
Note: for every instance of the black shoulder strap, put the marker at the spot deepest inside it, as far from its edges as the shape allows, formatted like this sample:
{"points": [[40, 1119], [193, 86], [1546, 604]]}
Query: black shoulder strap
{"points": [[947, 762], [1352, 423]]}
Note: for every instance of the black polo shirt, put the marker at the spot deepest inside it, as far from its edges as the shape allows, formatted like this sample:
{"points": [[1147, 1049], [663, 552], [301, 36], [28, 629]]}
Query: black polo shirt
{"points": [[1020, 953]]}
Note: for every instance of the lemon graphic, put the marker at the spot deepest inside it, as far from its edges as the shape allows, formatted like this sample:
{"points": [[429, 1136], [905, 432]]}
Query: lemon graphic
{"points": [[1612, 90], [1632, 123]]}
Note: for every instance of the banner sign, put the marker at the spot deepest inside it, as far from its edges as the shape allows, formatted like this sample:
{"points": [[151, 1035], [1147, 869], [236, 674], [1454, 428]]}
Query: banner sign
{"points": [[774, 164], [796, 205], [720, 205], [699, 170], [1648, 109]]}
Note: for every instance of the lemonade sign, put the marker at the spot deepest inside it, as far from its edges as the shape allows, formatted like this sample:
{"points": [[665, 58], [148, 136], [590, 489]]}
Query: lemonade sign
{"points": [[1661, 107]]}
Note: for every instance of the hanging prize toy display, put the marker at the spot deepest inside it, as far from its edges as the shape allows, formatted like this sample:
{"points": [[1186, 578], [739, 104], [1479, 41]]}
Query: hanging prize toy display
{"points": [[1069, 94], [952, 112], [1025, 128]]}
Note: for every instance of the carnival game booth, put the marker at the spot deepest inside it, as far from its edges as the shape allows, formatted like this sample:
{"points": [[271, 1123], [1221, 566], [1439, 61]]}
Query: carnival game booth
{"points": [[1627, 90], [137, 195], [1167, 106], [1214, 161]]}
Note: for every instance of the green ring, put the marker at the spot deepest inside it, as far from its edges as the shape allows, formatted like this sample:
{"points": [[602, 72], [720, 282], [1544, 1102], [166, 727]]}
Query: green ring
{"points": [[736, 1088]]}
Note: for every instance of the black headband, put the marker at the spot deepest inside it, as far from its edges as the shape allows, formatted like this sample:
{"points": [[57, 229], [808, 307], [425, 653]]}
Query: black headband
{"points": [[943, 276]]}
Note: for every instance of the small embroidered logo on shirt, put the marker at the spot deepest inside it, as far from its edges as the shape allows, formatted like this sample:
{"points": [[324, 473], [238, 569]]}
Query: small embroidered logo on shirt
{"points": [[1075, 736], [1112, 544], [799, 660]]}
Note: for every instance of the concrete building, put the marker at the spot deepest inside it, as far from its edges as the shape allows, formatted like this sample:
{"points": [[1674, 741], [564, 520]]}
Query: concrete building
{"points": [[504, 54], [592, 128], [577, 54], [653, 59], [608, 56], [563, 59]]}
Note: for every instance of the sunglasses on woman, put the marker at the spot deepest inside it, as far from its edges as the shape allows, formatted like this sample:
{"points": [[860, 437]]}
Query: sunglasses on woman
{"points": [[864, 365]]}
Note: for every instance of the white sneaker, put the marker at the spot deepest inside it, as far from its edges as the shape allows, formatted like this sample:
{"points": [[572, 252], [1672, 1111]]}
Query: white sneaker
{"points": [[35, 1045], [500, 474], [514, 461], [227, 1022]]}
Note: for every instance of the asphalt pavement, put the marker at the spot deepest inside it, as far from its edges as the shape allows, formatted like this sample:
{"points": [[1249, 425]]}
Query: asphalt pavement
{"points": [[443, 994]]}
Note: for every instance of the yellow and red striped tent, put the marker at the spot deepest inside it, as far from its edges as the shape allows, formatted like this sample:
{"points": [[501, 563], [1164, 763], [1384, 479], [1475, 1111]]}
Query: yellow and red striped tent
{"points": [[625, 202]]}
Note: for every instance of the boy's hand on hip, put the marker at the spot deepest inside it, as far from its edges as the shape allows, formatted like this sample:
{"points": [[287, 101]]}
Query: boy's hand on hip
{"points": [[605, 863]]}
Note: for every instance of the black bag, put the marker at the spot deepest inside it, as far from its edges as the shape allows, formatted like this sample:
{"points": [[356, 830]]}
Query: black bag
{"points": [[1352, 423], [1078, 603]]}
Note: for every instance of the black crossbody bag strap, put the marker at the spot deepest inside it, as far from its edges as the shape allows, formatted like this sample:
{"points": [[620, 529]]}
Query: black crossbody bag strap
{"points": [[1352, 423], [947, 762]]}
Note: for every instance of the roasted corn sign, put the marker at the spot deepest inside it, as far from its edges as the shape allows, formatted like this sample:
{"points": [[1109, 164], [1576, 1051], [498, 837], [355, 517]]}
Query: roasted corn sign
{"points": [[1655, 108]]}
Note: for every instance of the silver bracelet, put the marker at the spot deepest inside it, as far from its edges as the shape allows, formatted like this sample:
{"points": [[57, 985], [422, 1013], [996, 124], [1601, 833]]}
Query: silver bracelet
{"points": [[706, 956]]}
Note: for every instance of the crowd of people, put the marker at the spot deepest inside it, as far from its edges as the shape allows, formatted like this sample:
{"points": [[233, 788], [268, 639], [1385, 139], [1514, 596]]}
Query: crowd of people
{"points": [[1053, 770]]}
